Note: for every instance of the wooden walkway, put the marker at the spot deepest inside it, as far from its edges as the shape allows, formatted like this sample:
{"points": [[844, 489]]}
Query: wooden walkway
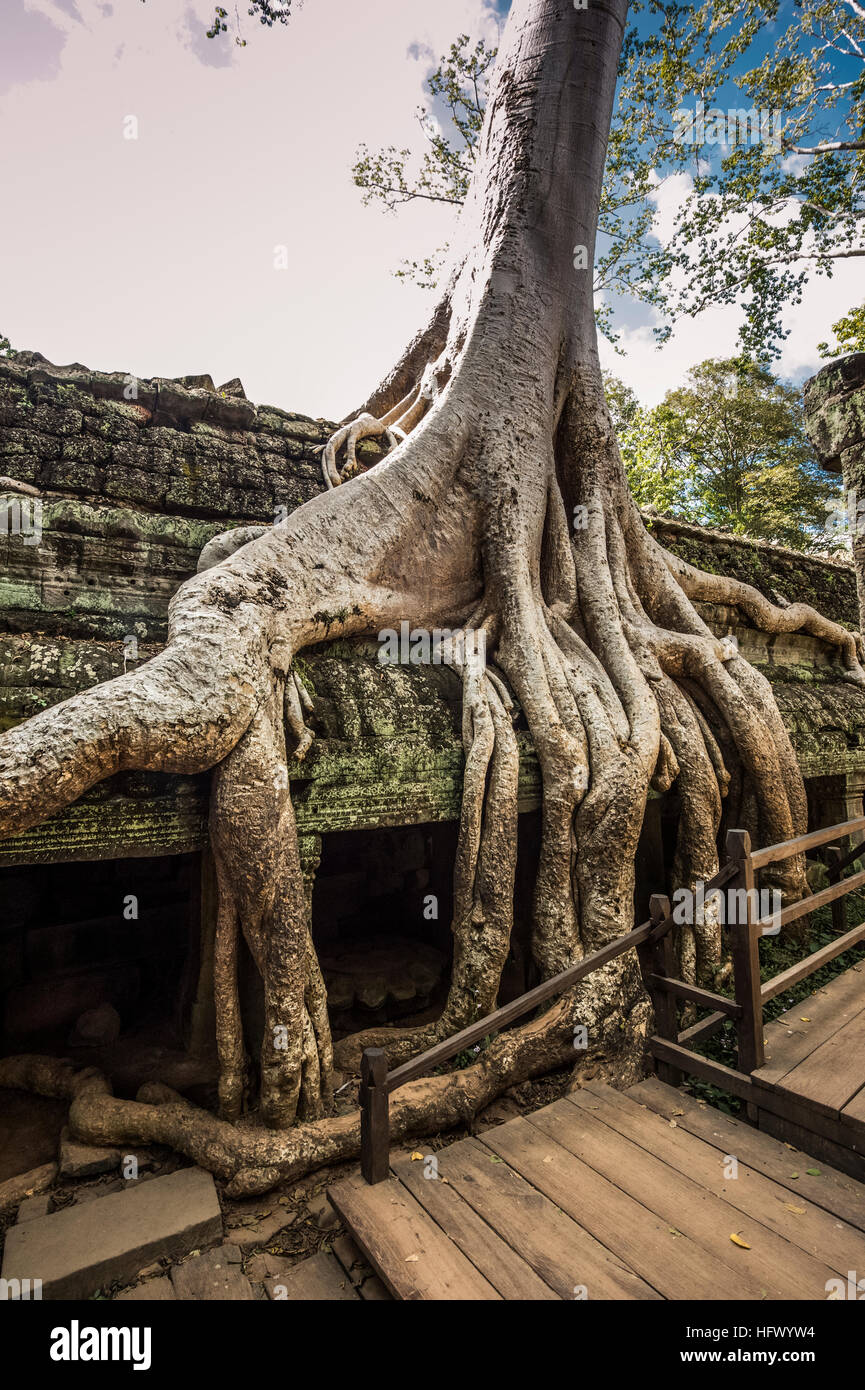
{"points": [[611, 1195], [811, 1088]]}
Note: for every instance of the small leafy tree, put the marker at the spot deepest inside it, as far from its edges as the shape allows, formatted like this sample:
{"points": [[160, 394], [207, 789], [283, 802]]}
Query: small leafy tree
{"points": [[728, 449], [771, 141], [849, 332]]}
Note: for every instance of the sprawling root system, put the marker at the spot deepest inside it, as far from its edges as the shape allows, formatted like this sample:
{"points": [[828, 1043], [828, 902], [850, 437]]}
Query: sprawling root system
{"points": [[502, 513]]}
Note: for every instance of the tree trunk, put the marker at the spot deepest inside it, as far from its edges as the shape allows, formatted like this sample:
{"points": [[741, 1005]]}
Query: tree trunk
{"points": [[504, 512]]}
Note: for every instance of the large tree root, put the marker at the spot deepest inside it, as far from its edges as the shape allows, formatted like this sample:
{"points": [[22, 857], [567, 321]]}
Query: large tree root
{"points": [[251, 1159], [504, 510]]}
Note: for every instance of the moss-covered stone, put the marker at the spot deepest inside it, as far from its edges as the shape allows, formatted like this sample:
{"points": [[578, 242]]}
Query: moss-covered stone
{"points": [[134, 489]]}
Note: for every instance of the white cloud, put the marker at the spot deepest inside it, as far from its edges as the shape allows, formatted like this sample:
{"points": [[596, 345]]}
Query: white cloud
{"points": [[651, 371], [156, 255]]}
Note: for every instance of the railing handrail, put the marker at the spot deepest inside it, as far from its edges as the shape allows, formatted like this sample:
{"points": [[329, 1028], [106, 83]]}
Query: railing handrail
{"points": [[773, 854], [509, 1013], [651, 939], [647, 932]]}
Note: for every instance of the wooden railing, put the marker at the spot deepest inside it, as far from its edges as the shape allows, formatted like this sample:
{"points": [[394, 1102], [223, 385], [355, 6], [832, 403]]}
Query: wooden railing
{"points": [[653, 943]]}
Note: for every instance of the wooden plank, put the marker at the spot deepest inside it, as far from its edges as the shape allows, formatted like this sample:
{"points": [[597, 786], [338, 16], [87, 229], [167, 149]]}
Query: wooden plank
{"points": [[704, 998], [772, 854], [667, 1257], [821, 899], [806, 1025], [834, 1192], [820, 1151], [771, 1268], [693, 1064], [835, 1243], [559, 1250], [803, 968], [830, 1076], [853, 1114], [410, 1253], [497, 1261], [785, 1103], [706, 1028]]}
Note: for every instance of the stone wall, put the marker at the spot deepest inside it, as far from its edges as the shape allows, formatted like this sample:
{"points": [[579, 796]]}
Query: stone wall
{"points": [[835, 422], [131, 490]]}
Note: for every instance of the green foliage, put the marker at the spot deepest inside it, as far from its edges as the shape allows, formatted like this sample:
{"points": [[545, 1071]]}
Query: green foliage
{"points": [[727, 449], [849, 332], [6, 348], [764, 214], [267, 12], [766, 207], [456, 92]]}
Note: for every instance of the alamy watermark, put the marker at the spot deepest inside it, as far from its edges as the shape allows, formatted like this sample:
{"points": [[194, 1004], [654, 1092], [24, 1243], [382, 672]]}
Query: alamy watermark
{"points": [[22, 516], [735, 126], [845, 515], [20, 1290], [729, 908], [421, 646]]}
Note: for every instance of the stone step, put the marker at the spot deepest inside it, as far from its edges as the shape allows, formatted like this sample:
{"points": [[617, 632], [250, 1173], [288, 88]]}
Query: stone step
{"points": [[320, 1279], [211, 1276], [151, 1291], [77, 1251], [15, 1190]]}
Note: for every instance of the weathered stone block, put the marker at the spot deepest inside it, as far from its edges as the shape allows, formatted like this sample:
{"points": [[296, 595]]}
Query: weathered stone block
{"points": [[33, 1207], [320, 1279], [211, 1276], [151, 1291], [77, 1251], [15, 1190], [85, 1160]]}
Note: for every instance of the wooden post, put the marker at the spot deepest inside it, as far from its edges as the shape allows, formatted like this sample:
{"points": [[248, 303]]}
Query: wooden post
{"points": [[374, 1116], [659, 958], [744, 939], [833, 859]]}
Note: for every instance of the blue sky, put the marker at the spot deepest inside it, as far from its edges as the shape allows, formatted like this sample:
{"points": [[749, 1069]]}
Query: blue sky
{"points": [[228, 237]]}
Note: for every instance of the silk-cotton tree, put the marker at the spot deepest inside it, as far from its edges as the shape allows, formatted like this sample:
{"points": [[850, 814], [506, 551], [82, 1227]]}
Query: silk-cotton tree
{"points": [[502, 512]]}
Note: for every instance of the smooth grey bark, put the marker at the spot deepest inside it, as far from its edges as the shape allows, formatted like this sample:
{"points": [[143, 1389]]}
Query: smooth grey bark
{"points": [[468, 524]]}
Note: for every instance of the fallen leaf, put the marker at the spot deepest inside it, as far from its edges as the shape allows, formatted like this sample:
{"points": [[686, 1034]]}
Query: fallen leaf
{"points": [[417, 1157], [673, 1124], [737, 1240], [410, 1258], [794, 1175], [797, 1211], [813, 1172], [678, 1112], [805, 1020]]}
